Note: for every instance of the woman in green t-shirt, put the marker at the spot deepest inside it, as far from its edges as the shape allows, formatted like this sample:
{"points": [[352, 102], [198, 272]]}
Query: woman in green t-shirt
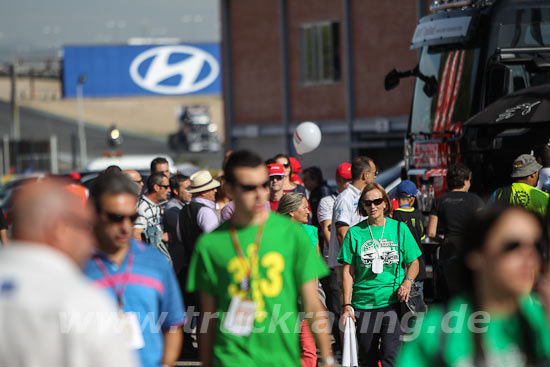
{"points": [[295, 205], [375, 253], [496, 321]]}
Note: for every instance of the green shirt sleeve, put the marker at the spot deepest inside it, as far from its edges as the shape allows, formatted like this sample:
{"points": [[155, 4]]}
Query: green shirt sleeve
{"points": [[409, 247], [346, 251], [308, 263], [423, 345], [202, 276]]}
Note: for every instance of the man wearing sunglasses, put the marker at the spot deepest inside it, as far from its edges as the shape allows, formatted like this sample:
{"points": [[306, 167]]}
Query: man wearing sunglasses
{"points": [[138, 277], [276, 175], [256, 265], [148, 226]]}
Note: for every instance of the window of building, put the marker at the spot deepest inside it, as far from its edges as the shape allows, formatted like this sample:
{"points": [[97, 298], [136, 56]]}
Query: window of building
{"points": [[320, 52]]}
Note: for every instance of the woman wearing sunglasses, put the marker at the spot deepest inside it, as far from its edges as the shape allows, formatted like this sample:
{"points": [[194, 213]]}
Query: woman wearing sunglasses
{"points": [[496, 321], [295, 205], [375, 253], [288, 186]]}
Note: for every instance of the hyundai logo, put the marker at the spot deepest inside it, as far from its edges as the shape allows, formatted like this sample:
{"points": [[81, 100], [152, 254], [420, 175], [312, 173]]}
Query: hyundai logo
{"points": [[155, 70]]}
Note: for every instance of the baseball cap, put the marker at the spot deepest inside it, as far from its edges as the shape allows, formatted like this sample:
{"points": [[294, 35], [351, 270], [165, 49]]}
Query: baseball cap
{"points": [[406, 188], [295, 164], [275, 169], [344, 171], [525, 165]]}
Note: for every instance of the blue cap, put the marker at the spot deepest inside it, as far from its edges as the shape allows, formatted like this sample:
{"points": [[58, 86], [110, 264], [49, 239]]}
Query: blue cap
{"points": [[406, 188]]}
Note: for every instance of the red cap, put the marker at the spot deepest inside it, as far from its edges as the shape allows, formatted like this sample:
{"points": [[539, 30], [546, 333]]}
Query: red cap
{"points": [[295, 164], [344, 171], [276, 169]]}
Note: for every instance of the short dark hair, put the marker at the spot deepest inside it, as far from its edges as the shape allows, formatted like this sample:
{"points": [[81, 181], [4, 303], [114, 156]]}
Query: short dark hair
{"points": [[281, 155], [158, 160], [154, 179], [359, 165], [113, 183], [112, 169], [457, 174], [316, 175], [240, 158], [270, 161], [175, 181]]}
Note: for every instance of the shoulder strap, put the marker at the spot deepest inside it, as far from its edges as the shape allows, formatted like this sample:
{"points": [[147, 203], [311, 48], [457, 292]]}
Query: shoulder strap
{"points": [[503, 194], [398, 254]]}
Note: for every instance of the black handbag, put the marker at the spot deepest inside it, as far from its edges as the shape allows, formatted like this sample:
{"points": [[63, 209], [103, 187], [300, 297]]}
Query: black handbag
{"points": [[416, 303]]}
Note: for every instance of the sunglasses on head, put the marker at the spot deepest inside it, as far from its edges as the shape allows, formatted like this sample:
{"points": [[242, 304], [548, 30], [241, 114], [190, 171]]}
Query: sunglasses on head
{"points": [[248, 188], [376, 202], [118, 218]]}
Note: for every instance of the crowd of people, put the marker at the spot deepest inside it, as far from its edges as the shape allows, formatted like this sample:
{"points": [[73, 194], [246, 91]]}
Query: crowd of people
{"points": [[263, 264]]}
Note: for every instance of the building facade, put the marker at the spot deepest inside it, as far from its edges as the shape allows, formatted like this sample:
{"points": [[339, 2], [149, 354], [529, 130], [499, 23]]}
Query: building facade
{"points": [[289, 61]]}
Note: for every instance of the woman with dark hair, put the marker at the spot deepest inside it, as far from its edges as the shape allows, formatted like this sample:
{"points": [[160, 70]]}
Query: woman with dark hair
{"points": [[374, 254], [496, 321], [447, 217], [288, 186]]}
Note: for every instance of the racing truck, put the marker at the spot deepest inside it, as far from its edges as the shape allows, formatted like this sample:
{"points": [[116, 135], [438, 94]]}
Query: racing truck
{"points": [[474, 56]]}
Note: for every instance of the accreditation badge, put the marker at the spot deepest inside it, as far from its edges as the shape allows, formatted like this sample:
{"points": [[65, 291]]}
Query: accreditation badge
{"points": [[239, 319], [377, 266], [131, 329]]}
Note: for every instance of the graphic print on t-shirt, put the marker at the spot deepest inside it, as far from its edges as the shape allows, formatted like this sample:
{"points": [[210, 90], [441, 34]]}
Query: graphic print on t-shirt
{"points": [[385, 250]]}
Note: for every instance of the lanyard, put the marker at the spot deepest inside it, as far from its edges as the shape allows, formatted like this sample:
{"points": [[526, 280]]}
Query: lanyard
{"points": [[245, 282], [110, 280]]}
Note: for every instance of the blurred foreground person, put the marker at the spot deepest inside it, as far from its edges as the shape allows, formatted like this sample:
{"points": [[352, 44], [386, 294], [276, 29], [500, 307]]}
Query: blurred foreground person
{"points": [[251, 270], [496, 321], [138, 277], [50, 315]]}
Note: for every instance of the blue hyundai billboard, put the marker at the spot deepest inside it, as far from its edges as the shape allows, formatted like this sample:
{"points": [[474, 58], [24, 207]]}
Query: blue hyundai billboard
{"points": [[168, 70]]}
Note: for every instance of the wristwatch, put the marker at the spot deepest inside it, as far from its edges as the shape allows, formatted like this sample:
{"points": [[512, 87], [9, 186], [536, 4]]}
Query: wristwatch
{"points": [[411, 280], [329, 361]]}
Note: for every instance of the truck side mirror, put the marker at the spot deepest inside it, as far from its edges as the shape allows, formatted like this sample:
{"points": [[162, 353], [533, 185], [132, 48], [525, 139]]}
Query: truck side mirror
{"points": [[391, 80]]}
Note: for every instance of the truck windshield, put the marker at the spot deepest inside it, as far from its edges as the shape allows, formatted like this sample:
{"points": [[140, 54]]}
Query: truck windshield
{"points": [[456, 74]]}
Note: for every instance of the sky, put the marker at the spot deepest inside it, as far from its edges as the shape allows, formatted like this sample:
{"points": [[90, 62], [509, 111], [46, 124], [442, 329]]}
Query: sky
{"points": [[36, 29]]}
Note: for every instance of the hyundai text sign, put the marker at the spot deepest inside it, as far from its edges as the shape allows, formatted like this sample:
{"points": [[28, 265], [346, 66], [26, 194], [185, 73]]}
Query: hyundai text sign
{"points": [[143, 70]]}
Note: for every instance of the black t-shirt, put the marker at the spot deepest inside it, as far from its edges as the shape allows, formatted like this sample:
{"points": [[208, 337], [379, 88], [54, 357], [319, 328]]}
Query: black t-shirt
{"points": [[314, 199], [414, 220], [3, 223], [453, 210]]}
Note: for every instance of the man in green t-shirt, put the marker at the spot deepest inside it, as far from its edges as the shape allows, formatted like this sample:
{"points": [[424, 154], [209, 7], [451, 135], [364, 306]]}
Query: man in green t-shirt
{"points": [[523, 191], [251, 270]]}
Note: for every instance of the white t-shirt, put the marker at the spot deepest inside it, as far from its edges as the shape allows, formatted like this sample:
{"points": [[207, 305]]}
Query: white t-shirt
{"points": [[149, 214], [51, 315], [344, 211], [324, 212]]}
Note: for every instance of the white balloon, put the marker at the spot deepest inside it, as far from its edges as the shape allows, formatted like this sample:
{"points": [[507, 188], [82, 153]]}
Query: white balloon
{"points": [[307, 137]]}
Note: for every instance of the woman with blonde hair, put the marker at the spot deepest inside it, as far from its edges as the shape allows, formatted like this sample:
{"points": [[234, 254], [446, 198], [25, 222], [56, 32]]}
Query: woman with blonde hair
{"points": [[295, 205], [375, 253]]}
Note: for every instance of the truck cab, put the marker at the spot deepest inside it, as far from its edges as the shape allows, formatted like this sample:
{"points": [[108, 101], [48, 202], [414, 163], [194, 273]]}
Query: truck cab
{"points": [[472, 53]]}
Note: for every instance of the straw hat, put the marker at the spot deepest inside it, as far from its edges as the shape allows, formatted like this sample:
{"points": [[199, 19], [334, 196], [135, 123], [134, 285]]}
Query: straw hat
{"points": [[202, 181]]}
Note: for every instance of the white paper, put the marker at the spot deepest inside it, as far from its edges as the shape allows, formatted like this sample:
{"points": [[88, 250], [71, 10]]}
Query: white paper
{"points": [[349, 354], [131, 329], [239, 319]]}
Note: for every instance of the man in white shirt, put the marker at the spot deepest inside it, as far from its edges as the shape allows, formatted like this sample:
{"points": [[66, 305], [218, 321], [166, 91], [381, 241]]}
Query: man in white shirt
{"points": [[50, 315]]}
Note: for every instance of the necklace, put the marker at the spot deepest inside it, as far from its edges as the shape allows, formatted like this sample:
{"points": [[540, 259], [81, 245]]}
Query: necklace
{"points": [[372, 237]]}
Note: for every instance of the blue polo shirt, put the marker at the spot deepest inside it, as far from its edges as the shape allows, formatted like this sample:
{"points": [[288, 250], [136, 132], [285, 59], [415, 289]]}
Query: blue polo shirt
{"points": [[149, 288]]}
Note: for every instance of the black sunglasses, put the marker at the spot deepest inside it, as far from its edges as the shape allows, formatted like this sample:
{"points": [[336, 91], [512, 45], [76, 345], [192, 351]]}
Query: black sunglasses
{"points": [[275, 178], [286, 165], [248, 188], [165, 186], [376, 202], [512, 246], [118, 218]]}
